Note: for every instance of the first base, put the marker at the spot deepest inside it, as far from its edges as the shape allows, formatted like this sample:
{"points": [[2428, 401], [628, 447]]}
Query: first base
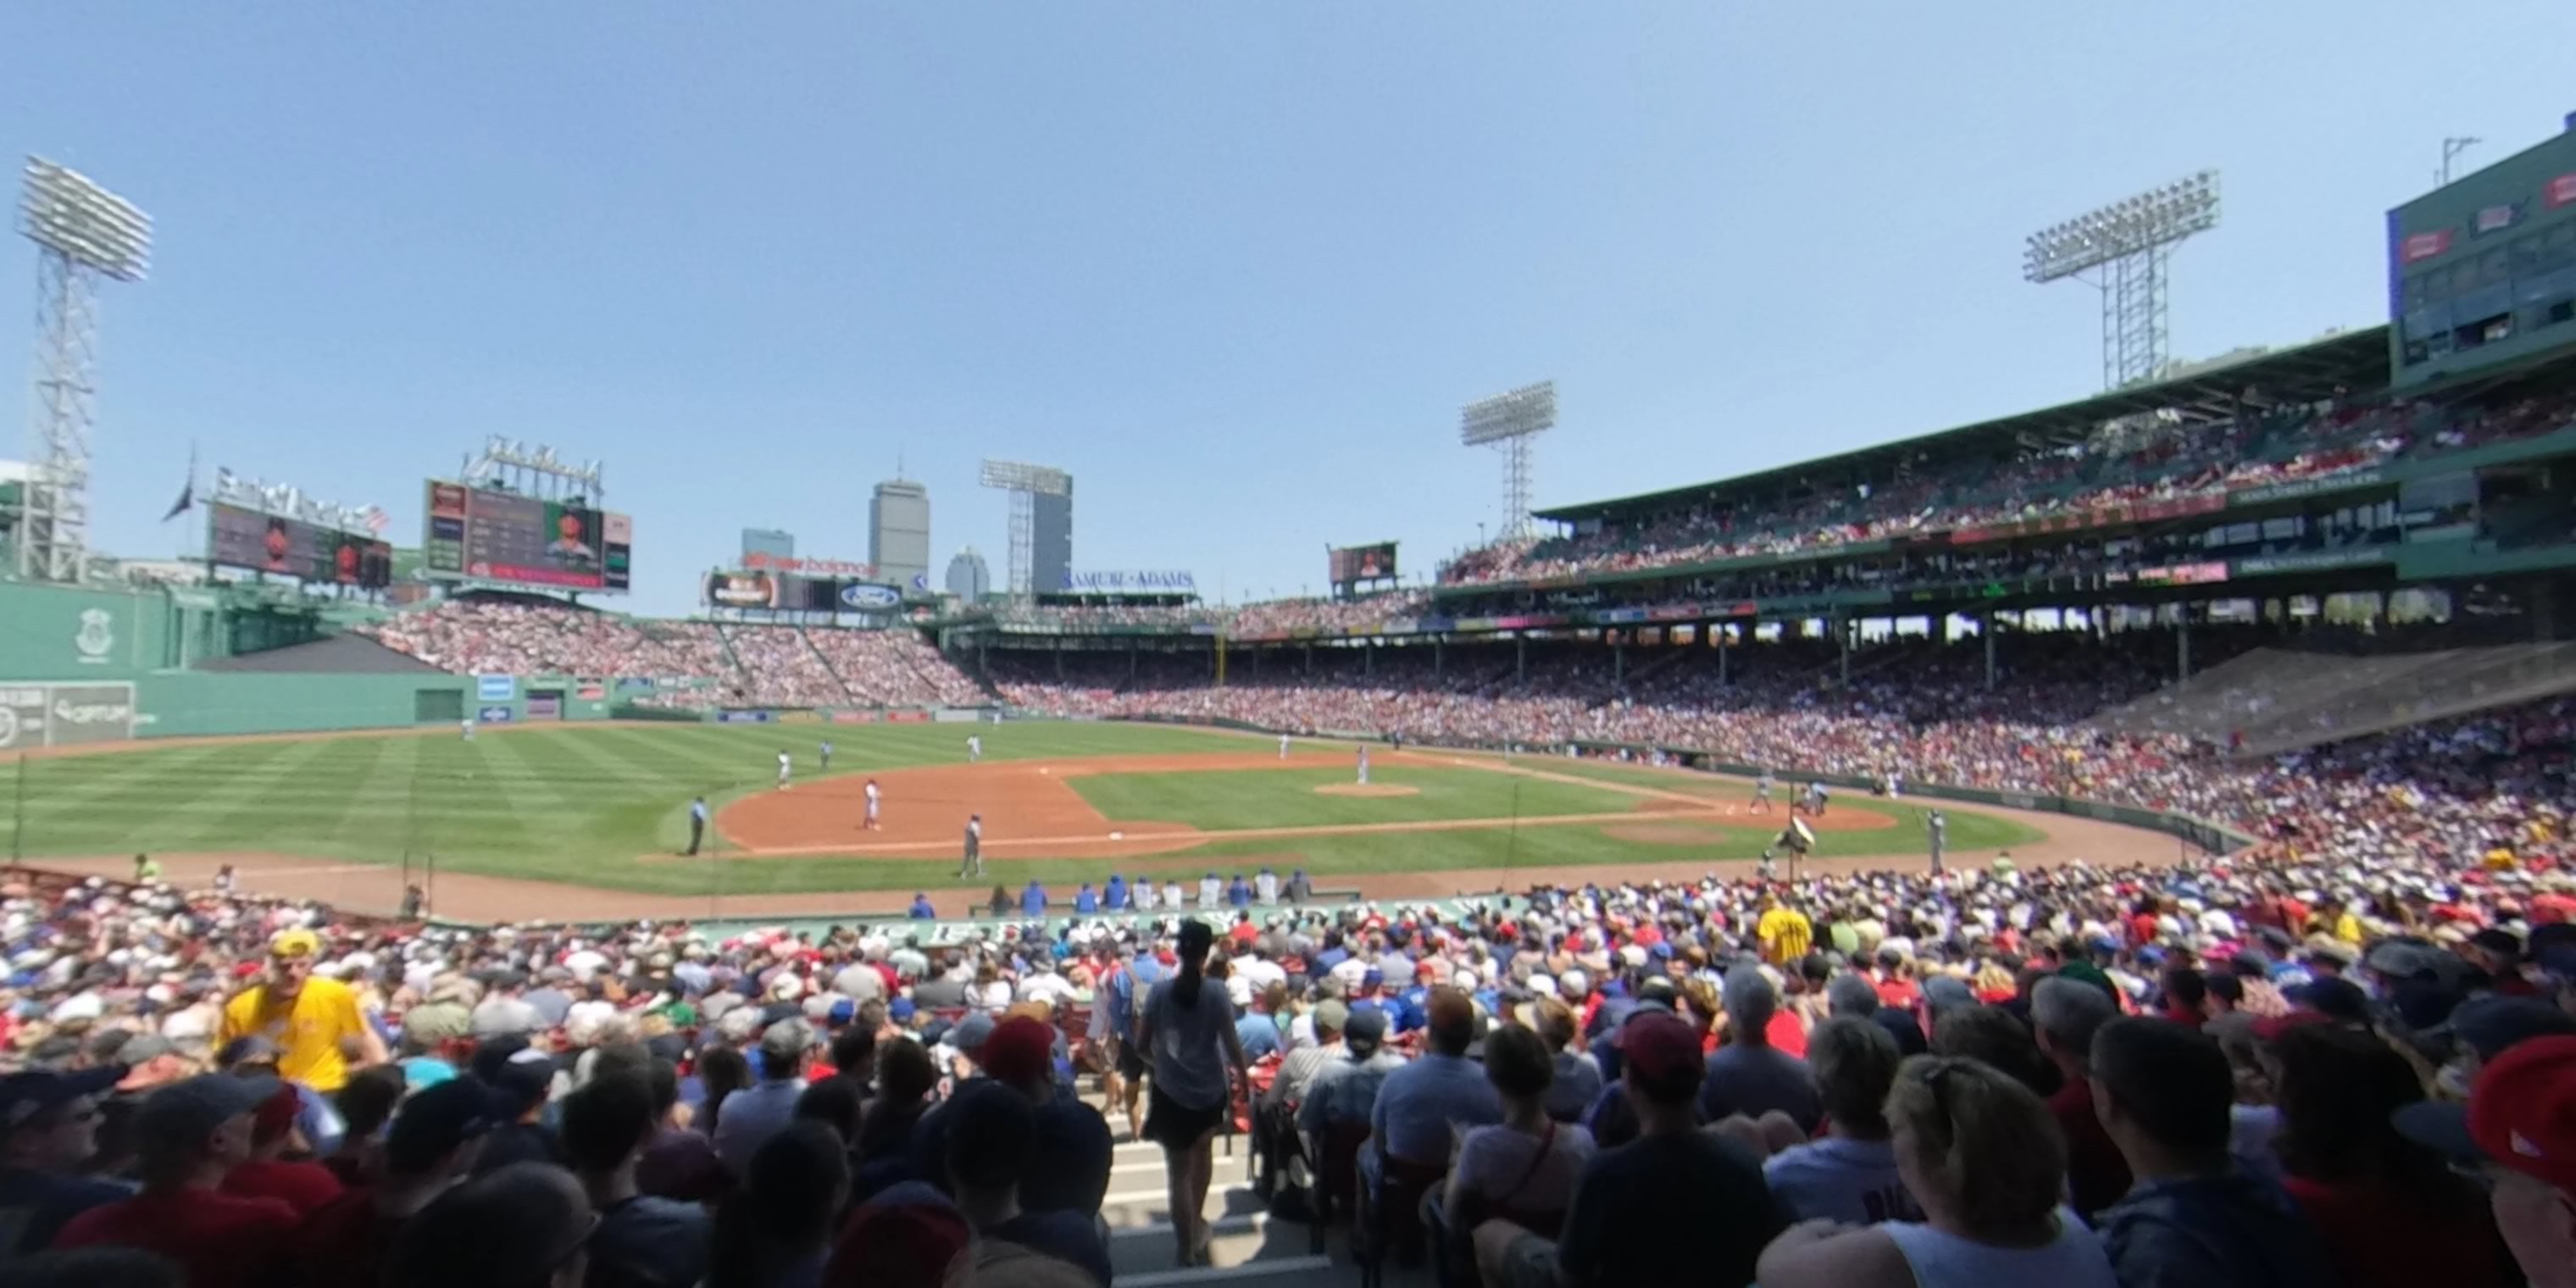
{"points": [[1118, 836]]}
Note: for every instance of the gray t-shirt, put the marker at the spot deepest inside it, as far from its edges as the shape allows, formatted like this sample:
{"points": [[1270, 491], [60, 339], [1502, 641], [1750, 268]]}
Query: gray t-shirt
{"points": [[1189, 1044]]}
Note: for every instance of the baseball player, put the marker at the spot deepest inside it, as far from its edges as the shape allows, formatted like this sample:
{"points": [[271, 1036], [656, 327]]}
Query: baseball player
{"points": [[974, 748], [870, 822], [974, 864], [1762, 792], [1363, 766], [1816, 798], [1283, 746], [827, 755], [469, 729], [785, 767], [1937, 831]]}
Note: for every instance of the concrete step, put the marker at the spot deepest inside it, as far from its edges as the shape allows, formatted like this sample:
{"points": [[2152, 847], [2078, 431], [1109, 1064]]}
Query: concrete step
{"points": [[1284, 1272], [1238, 1240]]}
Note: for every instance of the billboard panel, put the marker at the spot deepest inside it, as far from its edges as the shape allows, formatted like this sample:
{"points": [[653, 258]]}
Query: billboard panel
{"points": [[240, 538], [2483, 271], [1361, 563], [502, 536]]}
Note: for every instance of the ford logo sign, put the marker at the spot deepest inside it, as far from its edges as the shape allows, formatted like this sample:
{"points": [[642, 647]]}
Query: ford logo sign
{"points": [[866, 595]]}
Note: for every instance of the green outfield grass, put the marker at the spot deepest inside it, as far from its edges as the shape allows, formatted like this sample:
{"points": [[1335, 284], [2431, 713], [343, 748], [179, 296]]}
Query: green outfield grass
{"points": [[581, 803], [1227, 800]]}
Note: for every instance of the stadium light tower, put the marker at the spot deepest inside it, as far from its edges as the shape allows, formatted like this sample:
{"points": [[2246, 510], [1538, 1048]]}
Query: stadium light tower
{"points": [[1508, 423], [2127, 242], [82, 233], [1025, 483]]}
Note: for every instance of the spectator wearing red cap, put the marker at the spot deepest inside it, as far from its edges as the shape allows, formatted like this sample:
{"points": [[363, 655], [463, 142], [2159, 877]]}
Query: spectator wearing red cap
{"points": [[1978, 1151], [1073, 1138], [2519, 1128], [1675, 1197], [2390, 1212], [267, 1173]]}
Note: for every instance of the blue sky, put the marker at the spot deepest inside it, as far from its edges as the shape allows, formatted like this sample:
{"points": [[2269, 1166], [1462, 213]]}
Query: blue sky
{"points": [[1234, 266]]}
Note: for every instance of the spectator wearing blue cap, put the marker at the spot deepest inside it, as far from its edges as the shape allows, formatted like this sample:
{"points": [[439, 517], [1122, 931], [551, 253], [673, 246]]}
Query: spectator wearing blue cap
{"points": [[921, 909], [1086, 902], [1033, 899], [186, 1136], [48, 1128], [1238, 893], [1114, 895], [433, 1143]]}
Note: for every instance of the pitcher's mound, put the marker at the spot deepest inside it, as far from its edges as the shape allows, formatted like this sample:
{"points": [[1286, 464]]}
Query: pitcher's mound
{"points": [[1366, 789]]}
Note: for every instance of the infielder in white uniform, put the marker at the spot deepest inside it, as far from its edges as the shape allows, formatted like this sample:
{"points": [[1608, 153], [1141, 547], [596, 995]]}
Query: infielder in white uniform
{"points": [[1283, 746], [469, 731], [1363, 766], [974, 748], [870, 823], [784, 767]]}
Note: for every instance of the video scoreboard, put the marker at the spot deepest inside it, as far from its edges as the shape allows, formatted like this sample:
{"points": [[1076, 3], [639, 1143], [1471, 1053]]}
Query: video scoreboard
{"points": [[1361, 563], [244, 538], [498, 536]]}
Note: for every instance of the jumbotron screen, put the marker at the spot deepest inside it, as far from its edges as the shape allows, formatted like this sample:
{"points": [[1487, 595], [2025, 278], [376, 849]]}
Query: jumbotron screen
{"points": [[1362, 563], [503, 536], [242, 538]]}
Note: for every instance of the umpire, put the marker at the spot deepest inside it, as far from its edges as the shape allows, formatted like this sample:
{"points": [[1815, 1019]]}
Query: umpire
{"points": [[697, 823], [974, 864]]}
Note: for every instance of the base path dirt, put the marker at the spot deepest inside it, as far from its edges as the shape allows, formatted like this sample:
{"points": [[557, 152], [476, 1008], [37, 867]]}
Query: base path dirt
{"points": [[1366, 789]]}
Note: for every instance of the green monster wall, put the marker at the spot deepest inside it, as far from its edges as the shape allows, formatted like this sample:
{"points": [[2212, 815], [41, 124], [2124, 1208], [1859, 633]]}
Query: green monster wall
{"points": [[79, 666]]}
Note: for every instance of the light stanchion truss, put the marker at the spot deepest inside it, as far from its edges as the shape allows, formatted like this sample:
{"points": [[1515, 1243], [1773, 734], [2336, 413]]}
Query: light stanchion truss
{"points": [[1510, 423], [2121, 250], [1025, 483], [84, 234]]}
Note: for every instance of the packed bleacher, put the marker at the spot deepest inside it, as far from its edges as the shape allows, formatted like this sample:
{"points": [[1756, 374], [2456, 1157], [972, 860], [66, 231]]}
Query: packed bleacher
{"points": [[2116, 469], [748, 665], [2347, 1056]]}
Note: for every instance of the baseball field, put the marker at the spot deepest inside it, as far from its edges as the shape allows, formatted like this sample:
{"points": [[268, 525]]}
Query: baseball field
{"points": [[591, 820]]}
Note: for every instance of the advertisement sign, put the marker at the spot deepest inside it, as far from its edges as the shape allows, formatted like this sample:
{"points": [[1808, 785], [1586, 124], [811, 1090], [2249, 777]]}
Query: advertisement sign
{"points": [[2307, 487], [907, 717], [494, 715], [854, 717], [495, 688], [800, 717], [545, 706], [743, 717], [591, 691], [2424, 246], [863, 596], [65, 715], [1360, 563], [763, 561], [503, 536], [742, 590], [1111, 583], [2317, 561]]}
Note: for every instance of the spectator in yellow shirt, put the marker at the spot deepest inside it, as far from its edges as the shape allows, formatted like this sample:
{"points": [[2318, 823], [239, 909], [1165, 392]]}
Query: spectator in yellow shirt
{"points": [[2333, 918], [314, 1023], [1785, 932]]}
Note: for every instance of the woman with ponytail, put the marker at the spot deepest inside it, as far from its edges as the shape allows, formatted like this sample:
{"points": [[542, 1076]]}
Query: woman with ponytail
{"points": [[1188, 1029]]}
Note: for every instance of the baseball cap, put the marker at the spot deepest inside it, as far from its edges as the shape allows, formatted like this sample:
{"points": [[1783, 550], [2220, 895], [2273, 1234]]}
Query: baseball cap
{"points": [[23, 1096], [437, 1119], [1659, 1046], [294, 942], [1333, 1013], [2493, 1025], [908, 1236], [1366, 1028], [970, 1034], [1018, 1050], [2521, 1115], [786, 1040], [183, 1114]]}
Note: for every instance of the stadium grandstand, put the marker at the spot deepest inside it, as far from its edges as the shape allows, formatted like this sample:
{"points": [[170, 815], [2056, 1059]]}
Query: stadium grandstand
{"points": [[2292, 633]]}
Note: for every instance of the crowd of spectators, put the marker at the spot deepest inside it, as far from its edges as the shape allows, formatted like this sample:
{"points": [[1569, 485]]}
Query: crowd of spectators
{"points": [[727, 664], [2346, 1055], [2120, 467], [487, 636]]}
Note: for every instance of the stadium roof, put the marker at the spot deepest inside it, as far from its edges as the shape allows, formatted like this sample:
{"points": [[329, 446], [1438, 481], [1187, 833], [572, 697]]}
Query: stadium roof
{"points": [[2352, 360]]}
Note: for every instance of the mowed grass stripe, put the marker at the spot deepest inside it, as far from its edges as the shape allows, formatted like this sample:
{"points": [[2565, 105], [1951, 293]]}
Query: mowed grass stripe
{"points": [[264, 819], [96, 804], [1230, 800]]}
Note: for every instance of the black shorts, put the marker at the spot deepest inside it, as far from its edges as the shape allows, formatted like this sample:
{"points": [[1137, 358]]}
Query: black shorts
{"points": [[1131, 1061], [1176, 1126]]}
